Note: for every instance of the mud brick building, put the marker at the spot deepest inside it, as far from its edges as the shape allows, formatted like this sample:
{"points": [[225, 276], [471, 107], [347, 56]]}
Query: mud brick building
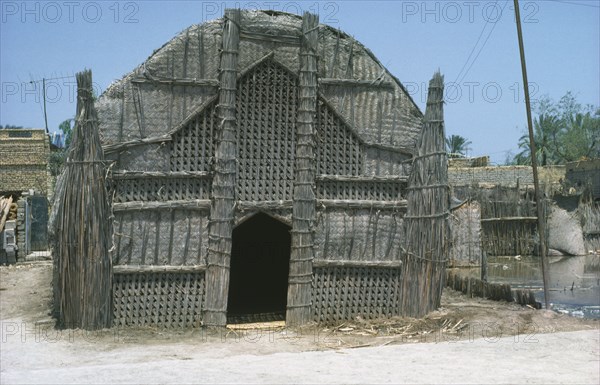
{"points": [[24, 161]]}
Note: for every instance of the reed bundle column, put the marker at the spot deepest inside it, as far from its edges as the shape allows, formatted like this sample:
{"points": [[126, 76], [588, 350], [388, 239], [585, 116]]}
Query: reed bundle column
{"points": [[81, 225], [424, 263], [304, 211], [220, 226]]}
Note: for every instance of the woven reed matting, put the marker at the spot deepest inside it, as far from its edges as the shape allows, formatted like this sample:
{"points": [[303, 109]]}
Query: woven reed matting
{"points": [[170, 300], [256, 318], [343, 293]]}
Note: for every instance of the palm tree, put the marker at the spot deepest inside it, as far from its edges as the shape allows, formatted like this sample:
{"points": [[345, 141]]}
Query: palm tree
{"points": [[580, 136], [545, 128], [457, 145], [563, 132]]}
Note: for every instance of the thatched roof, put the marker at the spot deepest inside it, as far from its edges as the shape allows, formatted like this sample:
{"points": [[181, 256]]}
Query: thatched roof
{"points": [[181, 76]]}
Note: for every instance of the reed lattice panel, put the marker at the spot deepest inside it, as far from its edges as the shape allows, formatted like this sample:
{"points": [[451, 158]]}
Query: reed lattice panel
{"points": [[360, 190], [193, 146], [266, 113], [338, 150], [343, 293], [170, 300], [509, 237], [160, 189]]}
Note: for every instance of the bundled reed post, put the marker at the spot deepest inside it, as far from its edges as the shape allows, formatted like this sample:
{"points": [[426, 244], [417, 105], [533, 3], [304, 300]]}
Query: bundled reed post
{"points": [[303, 211], [220, 226], [424, 262], [82, 228]]}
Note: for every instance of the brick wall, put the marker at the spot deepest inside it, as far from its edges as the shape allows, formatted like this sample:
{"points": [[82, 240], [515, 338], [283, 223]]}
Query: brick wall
{"points": [[503, 175], [24, 160]]}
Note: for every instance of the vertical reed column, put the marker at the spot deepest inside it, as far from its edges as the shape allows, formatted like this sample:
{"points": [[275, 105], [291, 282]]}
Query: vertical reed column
{"points": [[424, 262], [81, 225], [304, 211], [220, 226]]}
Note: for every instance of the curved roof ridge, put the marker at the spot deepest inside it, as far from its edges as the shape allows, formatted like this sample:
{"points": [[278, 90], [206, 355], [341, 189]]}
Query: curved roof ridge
{"points": [[191, 57]]}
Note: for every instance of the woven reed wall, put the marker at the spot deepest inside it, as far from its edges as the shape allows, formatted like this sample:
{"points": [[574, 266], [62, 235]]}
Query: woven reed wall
{"points": [[160, 189], [146, 103], [149, 157], [266, 108], [160, 237], [380, 161], [167, 299], [193, 145], [508, 221], [379, 111], [359, 235], [589, 214], [344, 293], [174, 237], [465, 235]]}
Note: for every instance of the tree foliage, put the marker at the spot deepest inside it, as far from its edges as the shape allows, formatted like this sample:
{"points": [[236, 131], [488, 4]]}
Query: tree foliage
{"points": [[67, 130], [457, 145], [563, 132], [57, 159]]}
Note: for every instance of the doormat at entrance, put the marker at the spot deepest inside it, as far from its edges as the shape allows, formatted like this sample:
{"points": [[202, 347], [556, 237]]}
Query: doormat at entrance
{"points": [[255, 318], [258, 325]]}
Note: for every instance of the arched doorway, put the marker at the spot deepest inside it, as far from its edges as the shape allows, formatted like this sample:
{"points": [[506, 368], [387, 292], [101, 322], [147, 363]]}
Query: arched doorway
{"points": [[258, 280]]}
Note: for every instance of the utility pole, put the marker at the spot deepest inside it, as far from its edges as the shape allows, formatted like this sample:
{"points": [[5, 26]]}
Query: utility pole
{"points": [[536, 182], [44, 96]]}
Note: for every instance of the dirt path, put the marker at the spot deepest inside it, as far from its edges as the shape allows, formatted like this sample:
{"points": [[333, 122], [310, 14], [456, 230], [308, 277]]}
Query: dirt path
{"points": [[466, 341]]}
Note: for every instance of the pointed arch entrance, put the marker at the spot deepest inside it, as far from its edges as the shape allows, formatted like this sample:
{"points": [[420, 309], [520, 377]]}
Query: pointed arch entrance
{"points": [[258, 280]]}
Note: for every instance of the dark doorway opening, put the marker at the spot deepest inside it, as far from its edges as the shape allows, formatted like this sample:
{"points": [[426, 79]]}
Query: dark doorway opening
{"points": [[258, 280]]}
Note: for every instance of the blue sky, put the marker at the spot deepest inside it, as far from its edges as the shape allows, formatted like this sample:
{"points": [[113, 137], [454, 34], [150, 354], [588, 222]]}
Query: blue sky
{"points": [[473, 43]]}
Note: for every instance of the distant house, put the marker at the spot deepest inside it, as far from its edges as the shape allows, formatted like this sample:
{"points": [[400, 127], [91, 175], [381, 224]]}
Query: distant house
{"points": [[24, 178], [24, 161], [585, 173]]}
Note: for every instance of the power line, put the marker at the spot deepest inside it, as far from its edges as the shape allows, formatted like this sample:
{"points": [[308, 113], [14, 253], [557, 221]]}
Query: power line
{"points": [[484, 43], [574, 3], [55, 78], [472, 50], [461, 76]]}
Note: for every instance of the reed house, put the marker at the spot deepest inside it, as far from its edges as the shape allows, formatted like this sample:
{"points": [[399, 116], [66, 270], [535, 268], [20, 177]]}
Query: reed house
{"points": [[265, 166]]}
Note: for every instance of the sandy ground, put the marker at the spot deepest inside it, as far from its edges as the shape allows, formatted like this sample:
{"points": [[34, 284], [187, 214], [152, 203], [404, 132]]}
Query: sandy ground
{"points": [[466, 341]]}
